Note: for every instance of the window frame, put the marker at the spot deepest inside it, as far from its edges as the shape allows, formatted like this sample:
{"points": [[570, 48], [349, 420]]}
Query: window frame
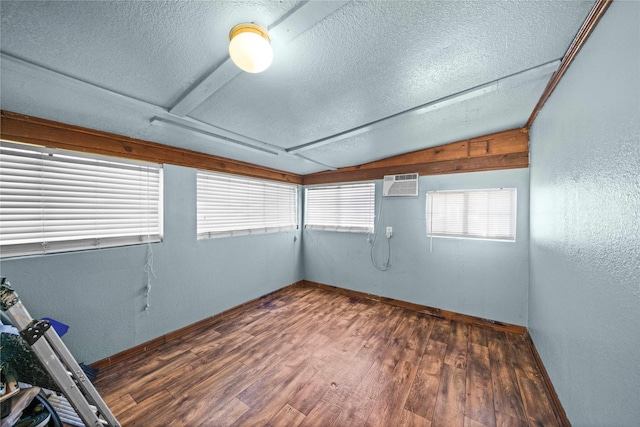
{"points": [[513, 223], [337, 224], [61, 193], [268, 187]]}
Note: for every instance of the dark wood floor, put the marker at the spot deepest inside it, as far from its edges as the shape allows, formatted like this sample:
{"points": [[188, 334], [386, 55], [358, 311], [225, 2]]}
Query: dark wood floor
{"points": [[313, 357]]}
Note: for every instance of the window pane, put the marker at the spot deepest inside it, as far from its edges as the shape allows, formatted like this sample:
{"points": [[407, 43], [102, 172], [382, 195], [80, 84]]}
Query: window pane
{"points": [[482, 214], [348, 207], [231, 205], [54, 200]]}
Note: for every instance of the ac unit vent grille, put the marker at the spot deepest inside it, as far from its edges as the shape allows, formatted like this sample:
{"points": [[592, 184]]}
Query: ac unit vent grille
{"points": [[400, 185]]}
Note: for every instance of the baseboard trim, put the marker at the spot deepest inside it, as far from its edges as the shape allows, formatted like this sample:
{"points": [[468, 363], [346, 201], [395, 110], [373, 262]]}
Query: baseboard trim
{"points": [[153, 344], [561, 415], [431, 311]]}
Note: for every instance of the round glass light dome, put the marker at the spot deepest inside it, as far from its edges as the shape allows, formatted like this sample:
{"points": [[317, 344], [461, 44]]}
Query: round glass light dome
{"points": [[250, 48]]}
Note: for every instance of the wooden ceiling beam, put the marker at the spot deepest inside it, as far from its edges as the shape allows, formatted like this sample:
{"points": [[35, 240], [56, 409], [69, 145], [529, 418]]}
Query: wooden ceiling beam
{"points": [[32, 130], [501, 150], [596, 12]]}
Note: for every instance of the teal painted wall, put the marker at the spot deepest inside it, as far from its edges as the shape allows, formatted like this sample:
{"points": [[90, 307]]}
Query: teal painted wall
{"points": [[100, 293], [584, 304], [573, 276], [481, 278]]}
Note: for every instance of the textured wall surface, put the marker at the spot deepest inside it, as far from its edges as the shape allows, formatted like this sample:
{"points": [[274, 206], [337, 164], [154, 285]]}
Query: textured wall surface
{"points": [[100, 293], [482, 278], [584, 307]]}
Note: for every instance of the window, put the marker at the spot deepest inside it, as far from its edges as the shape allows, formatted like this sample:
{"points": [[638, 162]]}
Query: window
{"points": [[348, 207], [231, 205], [476, 214], [56, 201]]}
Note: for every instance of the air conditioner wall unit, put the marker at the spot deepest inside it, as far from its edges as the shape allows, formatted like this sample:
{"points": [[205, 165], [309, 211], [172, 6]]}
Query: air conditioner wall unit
{"points": [[400, 185]]}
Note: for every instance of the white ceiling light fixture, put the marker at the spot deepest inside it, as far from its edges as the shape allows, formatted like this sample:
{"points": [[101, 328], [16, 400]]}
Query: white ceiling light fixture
{"points": [[250, 47]]}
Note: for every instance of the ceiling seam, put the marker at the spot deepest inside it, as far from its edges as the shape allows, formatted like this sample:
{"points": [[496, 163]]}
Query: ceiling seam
{"points": [[287, 28], [154, 110], [524, 75], [597, 11]]}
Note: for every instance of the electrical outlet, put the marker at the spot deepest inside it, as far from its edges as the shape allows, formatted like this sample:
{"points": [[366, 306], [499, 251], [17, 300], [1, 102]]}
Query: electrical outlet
{"points": [[389, 232]]}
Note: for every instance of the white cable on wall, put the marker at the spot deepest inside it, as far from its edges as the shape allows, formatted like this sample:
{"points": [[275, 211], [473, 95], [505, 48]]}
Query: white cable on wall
{"points": [[148, 272], [387, 264], [148, 266]]}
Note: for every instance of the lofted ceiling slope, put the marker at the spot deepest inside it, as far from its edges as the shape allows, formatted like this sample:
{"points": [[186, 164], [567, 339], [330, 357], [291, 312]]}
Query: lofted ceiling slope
{"points": [[352, 82]]}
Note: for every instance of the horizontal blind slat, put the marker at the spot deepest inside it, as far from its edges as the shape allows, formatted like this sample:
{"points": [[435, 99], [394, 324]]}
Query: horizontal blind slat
{"points": [[229, 205], [348, 207], [54, 196], [484, 214]]}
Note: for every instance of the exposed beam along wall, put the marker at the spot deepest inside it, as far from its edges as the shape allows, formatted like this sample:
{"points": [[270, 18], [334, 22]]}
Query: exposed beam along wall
{"points": [[596, 12], [32, 130], [511, 141], [502, 150]]}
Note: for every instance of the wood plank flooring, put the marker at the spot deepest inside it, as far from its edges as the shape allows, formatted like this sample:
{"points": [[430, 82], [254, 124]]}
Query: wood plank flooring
{"points": [[312, 357]]}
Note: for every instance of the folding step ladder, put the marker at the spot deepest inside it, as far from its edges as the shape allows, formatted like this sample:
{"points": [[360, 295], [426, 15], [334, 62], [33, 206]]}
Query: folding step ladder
{"points": [[57, 360]]}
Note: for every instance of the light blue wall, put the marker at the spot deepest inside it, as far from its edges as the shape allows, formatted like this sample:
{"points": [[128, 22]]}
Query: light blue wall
{"points": [[480, 278], [584, 305], [100, 293]]}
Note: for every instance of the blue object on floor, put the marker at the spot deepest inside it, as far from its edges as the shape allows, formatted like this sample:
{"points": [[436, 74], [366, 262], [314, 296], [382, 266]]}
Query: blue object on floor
{"points": [[59, 327]]}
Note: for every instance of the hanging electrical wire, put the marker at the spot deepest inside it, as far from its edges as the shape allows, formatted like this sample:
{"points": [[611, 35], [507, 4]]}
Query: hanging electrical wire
{"points": [[148, 272], [148, 266], [376, 229]]}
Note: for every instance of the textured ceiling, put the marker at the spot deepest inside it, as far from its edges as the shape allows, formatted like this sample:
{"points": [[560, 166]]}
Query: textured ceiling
{"points": [[338, 66]]}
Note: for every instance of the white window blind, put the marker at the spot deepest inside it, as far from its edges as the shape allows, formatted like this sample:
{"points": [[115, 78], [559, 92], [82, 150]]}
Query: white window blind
{"points": [[348, 207], [479, 214], [55, 201], [232, 205]]}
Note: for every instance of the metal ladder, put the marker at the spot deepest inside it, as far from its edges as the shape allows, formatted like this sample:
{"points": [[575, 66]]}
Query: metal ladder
{"points": [[57, 360]]}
